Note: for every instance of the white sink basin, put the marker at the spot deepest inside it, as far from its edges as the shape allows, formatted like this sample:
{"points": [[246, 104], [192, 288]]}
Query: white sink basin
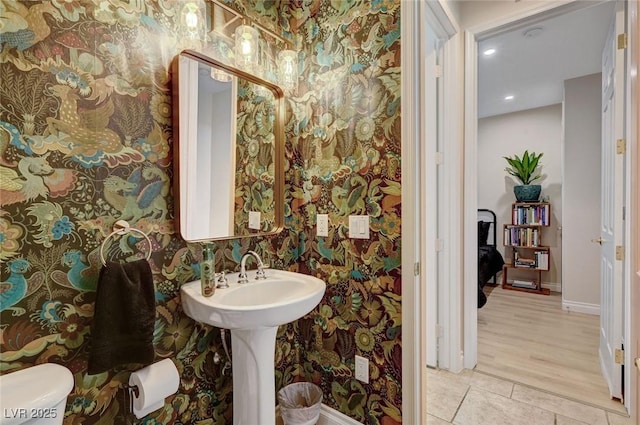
{"points": [[253, 311], [280, 298]]}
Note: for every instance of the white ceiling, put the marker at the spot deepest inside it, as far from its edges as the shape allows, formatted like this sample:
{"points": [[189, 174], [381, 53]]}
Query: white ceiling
{"points": [[533, 69]]}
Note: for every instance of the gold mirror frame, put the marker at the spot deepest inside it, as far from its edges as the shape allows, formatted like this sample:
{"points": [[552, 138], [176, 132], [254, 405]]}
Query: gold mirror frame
{"points": [[184, 109]]}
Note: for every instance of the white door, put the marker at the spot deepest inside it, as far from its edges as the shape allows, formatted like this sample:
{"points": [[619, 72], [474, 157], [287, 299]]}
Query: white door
{"points": [[612, 230]]}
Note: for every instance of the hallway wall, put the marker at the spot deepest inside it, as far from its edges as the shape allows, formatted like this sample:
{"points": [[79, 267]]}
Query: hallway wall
{"points": [[581, 193], [538, 130]]}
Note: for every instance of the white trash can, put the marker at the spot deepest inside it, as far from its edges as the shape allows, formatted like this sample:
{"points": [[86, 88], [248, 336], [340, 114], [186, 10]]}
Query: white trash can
{"points": [[300, 403]]}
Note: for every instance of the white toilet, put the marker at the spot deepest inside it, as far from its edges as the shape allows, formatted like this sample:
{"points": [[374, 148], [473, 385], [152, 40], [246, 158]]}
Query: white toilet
{"points": [[36, 395]]}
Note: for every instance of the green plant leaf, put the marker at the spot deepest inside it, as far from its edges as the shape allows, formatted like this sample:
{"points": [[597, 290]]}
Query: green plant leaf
{"points": [[524, 168]]}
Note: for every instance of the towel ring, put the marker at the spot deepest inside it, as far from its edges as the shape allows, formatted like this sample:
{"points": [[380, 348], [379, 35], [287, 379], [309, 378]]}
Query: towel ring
{"points": [[121, 227]]}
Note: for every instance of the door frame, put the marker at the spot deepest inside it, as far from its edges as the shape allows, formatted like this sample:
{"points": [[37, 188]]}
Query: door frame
{"points": [[413, 352], [414, 16], [632, 231], [472, 37]]}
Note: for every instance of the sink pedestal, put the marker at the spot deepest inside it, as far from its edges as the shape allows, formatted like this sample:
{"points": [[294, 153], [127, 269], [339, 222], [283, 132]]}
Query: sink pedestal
{"points": [[254, 387]]}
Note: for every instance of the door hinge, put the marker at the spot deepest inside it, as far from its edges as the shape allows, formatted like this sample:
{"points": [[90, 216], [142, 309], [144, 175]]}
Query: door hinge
{"points": [[619, 252], [439, 331], [619, 356], [439, 245], [439, 158], [621, 146], [622, 41], [416, 269]]}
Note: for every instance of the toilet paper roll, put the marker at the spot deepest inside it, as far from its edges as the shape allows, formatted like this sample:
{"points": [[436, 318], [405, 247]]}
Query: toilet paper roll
{"points": [[154, 382]]}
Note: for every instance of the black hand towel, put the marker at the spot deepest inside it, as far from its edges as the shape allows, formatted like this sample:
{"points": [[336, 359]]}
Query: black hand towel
{"points": [[124, 317]]}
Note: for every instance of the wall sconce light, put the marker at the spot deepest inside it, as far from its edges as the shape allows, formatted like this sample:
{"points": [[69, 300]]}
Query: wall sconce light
{"points": [[246, 48], [191, 21], [288, 69], [253, 47]]}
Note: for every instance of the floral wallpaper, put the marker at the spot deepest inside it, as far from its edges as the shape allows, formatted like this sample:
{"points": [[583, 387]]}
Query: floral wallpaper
{"points": [[255, 148], [343, 154], [86, 139]]}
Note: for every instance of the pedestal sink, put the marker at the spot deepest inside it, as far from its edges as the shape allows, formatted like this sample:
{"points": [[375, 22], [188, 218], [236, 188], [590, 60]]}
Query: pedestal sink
{"points": [[253, 311]]}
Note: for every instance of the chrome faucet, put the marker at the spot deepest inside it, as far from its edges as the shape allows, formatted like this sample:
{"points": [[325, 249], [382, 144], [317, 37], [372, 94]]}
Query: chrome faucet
{"points": [[242, 276]]}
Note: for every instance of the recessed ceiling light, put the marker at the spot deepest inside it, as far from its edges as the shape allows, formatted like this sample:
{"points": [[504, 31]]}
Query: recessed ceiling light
{"points": [[509, 97], [489, 52]]}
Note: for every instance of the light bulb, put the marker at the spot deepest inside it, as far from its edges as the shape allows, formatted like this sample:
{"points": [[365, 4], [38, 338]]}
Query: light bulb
{"points": [[191, 19], [288, 69], [246, 49]]}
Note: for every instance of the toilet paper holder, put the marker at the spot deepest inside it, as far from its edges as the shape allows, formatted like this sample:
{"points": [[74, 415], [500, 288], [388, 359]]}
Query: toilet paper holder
{"points": [[132, 391], [132, 388], [150, 386]]}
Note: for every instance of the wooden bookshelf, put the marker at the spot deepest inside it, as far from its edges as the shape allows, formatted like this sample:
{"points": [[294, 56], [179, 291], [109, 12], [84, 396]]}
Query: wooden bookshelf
{"points": [[524, 247]]}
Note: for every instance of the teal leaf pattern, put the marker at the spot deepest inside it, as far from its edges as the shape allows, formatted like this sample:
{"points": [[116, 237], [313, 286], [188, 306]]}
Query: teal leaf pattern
{"points": [[86, 138]]}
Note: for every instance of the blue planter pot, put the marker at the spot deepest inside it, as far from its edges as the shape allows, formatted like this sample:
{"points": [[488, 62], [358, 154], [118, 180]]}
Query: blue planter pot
{"points": [[527, 192]]}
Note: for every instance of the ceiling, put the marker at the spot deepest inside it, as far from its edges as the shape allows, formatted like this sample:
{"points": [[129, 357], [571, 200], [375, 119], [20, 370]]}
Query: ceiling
{"points": [[532, 61]]}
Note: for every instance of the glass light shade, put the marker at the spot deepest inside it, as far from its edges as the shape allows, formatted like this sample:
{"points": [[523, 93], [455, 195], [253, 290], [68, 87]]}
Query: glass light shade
{"points": [[191, 21], [288, 69], [246, 48]]}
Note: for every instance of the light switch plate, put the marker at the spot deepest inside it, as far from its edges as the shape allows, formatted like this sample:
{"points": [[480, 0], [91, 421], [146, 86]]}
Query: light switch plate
{"points": [[359, 226], [254, 220], [362, 369], [322, 225]]}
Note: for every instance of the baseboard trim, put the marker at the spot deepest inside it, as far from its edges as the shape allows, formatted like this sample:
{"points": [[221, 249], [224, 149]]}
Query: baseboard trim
{"points": [[330, 416], [593, 309], [552, 286]]}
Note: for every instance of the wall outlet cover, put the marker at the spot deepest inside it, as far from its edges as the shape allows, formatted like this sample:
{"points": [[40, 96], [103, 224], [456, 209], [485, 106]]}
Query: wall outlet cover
{"points": [[254, 220]]}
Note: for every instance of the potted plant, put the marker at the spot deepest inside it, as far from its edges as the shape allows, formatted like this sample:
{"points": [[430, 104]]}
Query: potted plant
{"points": [[524, 169]]}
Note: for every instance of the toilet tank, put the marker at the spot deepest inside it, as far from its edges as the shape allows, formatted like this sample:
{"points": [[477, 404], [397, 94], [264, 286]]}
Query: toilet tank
{"points": [[35, 395]]}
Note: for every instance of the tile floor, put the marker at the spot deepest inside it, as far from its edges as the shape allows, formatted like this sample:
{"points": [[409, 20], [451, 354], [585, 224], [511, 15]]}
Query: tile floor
{"points": [[474, 398]]}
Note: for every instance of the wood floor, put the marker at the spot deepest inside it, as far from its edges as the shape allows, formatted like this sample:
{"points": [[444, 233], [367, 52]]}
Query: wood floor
{"points": [[528, 338]]}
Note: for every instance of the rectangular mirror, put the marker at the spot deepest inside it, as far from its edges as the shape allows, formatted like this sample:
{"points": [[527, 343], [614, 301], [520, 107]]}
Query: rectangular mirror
{"points": [[228, 162]]}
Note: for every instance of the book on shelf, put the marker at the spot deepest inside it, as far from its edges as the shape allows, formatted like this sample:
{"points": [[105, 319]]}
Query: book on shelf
{"points": [[521, 236], [527, 214], [525, 263], [524, 284], [542, 259]]}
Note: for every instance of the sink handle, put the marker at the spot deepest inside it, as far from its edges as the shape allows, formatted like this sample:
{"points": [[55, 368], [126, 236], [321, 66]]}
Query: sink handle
{"points": [[222, 280], [242, 277]]}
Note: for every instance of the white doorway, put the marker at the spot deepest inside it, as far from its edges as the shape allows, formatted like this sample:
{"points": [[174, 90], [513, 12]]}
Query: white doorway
{"points": [[414, 356], [472, 38]]}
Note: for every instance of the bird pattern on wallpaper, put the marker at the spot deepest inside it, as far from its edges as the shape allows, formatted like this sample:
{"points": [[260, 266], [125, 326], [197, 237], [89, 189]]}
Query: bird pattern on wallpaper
{"points": [[82, 274], [27, 182], [86, 138], [17, 287]]}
